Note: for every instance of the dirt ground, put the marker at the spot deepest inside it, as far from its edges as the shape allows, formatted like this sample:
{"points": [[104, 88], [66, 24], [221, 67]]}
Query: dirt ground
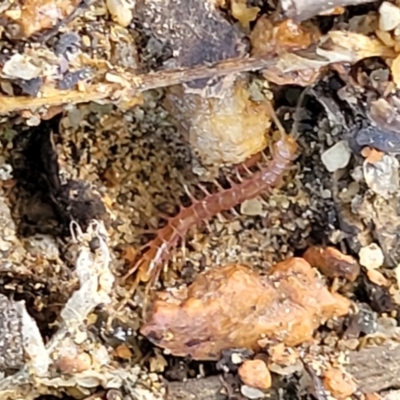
{"points": [[124, 119]]}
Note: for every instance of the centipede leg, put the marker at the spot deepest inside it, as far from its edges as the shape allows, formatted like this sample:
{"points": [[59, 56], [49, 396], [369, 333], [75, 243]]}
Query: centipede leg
{"points": [[189, 194], [264, 159], [129, 295], [247, 170], [238, 176], [183, 248], [137, 264], [221, 218], [207, 225], [204, 189]]}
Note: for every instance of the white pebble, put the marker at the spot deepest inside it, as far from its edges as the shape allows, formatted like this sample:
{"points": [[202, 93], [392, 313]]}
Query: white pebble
{"points": [[121, 11], [251, 393], [371, 256], [382, 177], [251, 207], [389, 16], [336, 157]]}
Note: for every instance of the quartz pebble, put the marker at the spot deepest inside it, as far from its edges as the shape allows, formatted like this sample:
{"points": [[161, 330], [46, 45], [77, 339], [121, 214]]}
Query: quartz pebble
{"points": [[337, 156], [251, 393], [382, 176], [371, 256], [389, 16], [251, 207]]}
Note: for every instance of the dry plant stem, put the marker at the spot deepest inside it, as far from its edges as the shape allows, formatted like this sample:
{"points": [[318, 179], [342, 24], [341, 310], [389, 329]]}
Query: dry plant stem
{"points": [[96, 281], [133, 84], [300, 10], [148, 267]]}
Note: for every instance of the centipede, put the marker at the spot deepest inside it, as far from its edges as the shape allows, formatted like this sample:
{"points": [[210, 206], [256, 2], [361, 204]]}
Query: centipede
{"points": [[156, 253]]}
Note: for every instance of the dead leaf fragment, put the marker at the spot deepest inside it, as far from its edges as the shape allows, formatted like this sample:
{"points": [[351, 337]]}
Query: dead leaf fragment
{"points": [[243, 13], [211, 316], [332, 263]]}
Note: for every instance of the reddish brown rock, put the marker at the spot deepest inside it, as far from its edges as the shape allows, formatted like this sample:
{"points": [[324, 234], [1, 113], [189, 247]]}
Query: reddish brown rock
{"points": [[340, 384], [255, 373], [332, 263], [233, 306]]}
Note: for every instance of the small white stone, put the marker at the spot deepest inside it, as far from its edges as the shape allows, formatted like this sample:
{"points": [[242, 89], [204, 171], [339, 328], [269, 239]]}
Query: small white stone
{"points": [[389, 16], [371, 256], [251, 207], [121, 11], [236, 358], [251, 392], [336, 157], [382, 177]]}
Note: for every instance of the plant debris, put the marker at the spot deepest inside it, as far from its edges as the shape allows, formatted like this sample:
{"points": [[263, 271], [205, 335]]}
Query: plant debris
{"points": [[115, 115]]}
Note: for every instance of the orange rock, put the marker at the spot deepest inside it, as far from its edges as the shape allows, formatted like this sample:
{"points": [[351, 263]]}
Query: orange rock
{"points": [[377, 277], [123, 352], [282, 355], [372, 396], [341, 385], [233, 306], [332, 263], [255, 373]]}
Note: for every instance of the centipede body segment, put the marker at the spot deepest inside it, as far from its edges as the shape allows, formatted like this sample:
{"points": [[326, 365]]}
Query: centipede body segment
{"points": [[157, 252]]}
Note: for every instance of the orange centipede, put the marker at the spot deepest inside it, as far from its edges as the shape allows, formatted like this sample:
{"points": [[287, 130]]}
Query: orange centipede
{"points": [[157, 252]]}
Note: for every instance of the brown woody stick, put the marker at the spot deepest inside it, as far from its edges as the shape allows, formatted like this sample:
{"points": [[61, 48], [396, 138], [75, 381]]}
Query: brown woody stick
{"points": [[132, 85]]}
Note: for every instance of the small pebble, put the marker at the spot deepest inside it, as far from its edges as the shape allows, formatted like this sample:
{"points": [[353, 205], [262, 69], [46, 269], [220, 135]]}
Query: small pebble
{"points": [[251, 207], [371, 256], [382, 177], [389, 16], [236, 358], [336, 157], [255, 373], [121, 11], [251, 393]]}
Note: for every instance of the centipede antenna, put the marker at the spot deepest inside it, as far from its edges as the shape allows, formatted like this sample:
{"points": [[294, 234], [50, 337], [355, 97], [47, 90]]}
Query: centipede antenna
{"points": [[276, 120], [294, 132]]}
